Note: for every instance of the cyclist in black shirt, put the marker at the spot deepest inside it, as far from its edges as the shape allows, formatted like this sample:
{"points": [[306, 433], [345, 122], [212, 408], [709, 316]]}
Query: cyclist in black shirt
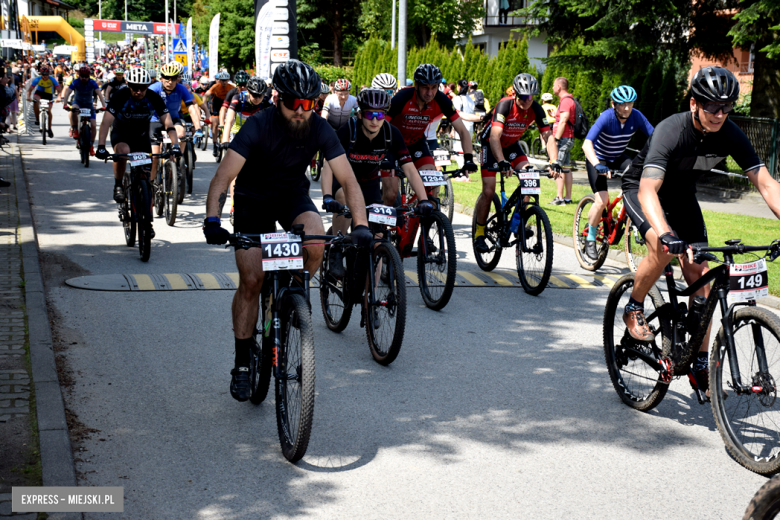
{"points": [[268, 158], [372, 144], [130, 111], [659, 190]]}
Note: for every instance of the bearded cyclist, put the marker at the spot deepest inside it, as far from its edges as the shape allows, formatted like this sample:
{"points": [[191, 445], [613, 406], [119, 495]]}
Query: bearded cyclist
{"points": [[605, 147], [659, 191], [500, 148], [282, 139], [83, 89]]}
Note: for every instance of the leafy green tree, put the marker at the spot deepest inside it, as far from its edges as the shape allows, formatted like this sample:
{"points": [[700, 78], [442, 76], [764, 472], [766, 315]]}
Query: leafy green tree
{"points": [[236, 31], [332, 24]]}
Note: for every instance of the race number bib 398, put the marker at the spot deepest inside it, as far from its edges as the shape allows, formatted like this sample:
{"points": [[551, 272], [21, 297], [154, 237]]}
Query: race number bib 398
{"points": [[281, 251], [748, 281], [380, 214], [530, 183]]}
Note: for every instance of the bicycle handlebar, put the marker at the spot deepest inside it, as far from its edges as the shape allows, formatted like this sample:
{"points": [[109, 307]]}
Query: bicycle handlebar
{"points": [[117, 156]]}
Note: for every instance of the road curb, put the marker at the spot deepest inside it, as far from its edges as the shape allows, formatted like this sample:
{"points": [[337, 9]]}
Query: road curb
{"points": [[618, 256], [56, 454]]}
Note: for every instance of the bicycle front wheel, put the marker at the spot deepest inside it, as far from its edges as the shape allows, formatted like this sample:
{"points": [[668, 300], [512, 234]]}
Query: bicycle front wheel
{"points": [[44, 125], [191, 162], [171, 190], [580, 232], [144, 207], [385, 316], [633, 246], [128, 217], [437, 260], [749, 423], [86, 140], [295, 389], [637, 383], [765, 504], [487, 261], [535, 256], [182, 176]]}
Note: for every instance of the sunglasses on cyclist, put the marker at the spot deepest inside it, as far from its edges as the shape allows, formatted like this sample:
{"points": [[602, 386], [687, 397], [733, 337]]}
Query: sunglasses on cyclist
{"points": [[294, 103], [714, 108], [523, 97], [136, 88], [170, 78], [370, 115]]}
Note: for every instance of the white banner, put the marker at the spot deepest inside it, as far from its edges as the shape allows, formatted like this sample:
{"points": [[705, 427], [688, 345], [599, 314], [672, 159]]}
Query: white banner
{"points": [[62, 49], [190, 63], [11, 43], [214, 46], [263, 30]]}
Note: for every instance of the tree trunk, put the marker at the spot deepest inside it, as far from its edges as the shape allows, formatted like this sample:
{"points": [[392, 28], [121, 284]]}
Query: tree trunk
{"points": [[338, 27], [765, 101]]}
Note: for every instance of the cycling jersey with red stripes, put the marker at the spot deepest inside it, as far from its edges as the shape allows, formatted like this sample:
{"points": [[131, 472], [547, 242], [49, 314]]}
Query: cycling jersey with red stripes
{"points": [[514, 121], [405, 113]]}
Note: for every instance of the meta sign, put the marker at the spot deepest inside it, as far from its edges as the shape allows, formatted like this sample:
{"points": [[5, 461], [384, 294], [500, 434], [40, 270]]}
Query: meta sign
{"points": [[132, 27]]}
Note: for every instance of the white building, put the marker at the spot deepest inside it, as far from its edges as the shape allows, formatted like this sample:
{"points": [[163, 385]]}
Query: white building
{"points": [[495, 29]]}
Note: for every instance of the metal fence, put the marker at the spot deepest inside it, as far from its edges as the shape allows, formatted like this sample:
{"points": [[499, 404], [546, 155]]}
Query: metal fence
{"points": [[764, 134]]}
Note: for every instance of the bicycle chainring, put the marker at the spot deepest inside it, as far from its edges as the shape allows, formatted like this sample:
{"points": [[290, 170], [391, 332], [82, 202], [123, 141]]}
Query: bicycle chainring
{"points": [[668, 371]]}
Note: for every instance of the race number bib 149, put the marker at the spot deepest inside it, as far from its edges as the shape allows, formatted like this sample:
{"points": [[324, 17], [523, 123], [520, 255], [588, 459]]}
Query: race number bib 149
{"points": [[380, 214], [432, 178], [530, 183], [748, 281], [281, 251]]}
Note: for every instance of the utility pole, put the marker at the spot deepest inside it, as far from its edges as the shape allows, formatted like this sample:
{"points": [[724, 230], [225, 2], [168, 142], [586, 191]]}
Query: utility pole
{"points": [[167, 30], [392, 29], [401, 43]]}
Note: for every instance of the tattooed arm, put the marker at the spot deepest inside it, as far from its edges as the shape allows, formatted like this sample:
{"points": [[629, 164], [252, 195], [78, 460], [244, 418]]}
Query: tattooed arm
{"points": [[228, 170], [652, 179]]}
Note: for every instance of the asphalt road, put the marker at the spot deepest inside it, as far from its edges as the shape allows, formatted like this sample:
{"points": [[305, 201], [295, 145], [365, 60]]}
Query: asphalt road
{"points": [[498, 406]]}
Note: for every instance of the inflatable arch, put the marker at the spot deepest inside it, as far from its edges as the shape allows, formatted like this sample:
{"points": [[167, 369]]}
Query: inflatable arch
{"points": [[63, 28]]}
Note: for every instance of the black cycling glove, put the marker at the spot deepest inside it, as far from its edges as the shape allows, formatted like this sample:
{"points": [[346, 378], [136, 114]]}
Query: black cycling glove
{"points": [[214, 232], [674, 245], [176, 151], [468, 162], [425, 208], [330, 204], [101, 152], [362, 236], [504, 166], [556, 167]]}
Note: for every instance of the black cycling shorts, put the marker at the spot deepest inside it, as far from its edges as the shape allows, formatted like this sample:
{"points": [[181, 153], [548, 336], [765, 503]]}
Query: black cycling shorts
{"points": [[513, 153], [216, 105], [421, 154], [137, 141], [156, 130], [255, 215], [599, 182], [372, 192], [685, 219]]}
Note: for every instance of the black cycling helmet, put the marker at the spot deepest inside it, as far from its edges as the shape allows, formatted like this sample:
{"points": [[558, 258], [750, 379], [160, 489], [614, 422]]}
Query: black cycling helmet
{"points": [[714, 84], [256, 86], [297, 79], [373, 99], [525, 85], [427, 74], [242, 77]]}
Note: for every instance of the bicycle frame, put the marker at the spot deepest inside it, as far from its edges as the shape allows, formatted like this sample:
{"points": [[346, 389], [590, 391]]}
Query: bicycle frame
{"points": [[613, 227], [505, 216]]}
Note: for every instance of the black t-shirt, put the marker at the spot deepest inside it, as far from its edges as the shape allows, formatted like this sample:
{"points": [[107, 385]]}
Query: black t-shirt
{"points": [[275, 163], [684, 153], [134, 115], [366, 155]]}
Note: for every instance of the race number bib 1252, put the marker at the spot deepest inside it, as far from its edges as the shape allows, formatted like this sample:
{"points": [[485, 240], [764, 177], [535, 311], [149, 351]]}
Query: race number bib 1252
{"points": [[281, 251], [432, 178], [530, 183], [748, 281], [380, 214], [139, 159]]}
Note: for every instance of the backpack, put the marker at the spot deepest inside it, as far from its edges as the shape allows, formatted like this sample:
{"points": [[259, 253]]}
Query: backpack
{"points": [[581, 124], [352, 122]]}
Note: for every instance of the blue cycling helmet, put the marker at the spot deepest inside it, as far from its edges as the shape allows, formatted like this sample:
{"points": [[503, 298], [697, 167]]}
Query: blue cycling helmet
{"points": [[623, 94]]}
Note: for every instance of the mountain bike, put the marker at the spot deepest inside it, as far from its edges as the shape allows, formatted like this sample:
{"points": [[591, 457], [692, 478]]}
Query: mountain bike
{"points": [[284, 336], [744, 358], [519, 215], [135, 212], [43, 118], [205, 126], [167, 184], [437, 257], [186, 164], [84, 143], [765, 504], [374, 280]]}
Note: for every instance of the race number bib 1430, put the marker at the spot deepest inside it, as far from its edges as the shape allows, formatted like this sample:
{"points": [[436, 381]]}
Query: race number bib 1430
{"points": [[281, 251], [530, 183], [432, 178], [380, 214], [748, 281]]}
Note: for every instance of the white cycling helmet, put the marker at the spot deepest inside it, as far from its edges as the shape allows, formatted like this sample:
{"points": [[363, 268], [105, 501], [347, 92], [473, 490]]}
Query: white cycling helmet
{"points": [[384, 81], [186, 79], [547, 97], [138, 77], [204, 80]]}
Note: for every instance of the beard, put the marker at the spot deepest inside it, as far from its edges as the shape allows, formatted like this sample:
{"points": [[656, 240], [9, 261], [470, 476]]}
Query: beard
{"points": [[296, 129]]}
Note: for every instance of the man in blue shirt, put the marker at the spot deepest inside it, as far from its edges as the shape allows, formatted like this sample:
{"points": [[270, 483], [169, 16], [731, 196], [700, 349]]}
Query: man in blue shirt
{"points": [[173, 94], [83, 89], [605, 148]]}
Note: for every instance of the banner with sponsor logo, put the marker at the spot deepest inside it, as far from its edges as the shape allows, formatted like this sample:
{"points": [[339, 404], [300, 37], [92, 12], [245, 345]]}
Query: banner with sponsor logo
{"points": [[214, 46], [263, 30], [283, 31], [188, 36], [130, 27]]}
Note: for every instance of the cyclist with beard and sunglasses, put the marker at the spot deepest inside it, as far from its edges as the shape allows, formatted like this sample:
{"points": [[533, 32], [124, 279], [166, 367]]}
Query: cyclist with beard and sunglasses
{"points": [[130, 110], [500, 149], [268, 159], [659, 191]]}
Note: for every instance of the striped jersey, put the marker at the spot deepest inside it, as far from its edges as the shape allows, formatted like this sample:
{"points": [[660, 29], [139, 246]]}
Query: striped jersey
{"points": [[610, 138]]}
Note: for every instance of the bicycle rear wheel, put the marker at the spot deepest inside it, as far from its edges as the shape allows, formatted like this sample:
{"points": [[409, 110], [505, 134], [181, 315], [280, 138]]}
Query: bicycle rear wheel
{"points": [[295, 389], [447, 199], [488, 261], [128, 217], [171, 191], [633, 246], [385, 316], [334, 295], [437, 260], [534, 261], [85, 139], [636, 382], [580, 233], [749, 423], [190, 151]]}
